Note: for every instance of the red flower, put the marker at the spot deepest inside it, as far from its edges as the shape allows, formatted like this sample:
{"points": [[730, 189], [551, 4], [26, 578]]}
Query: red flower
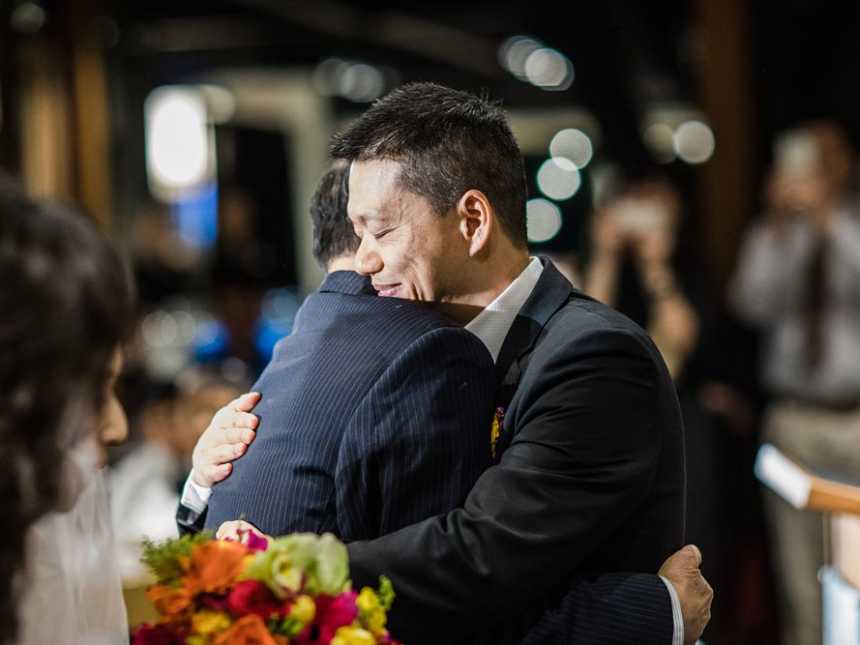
{"points": [[155, 635], [213, 601], [253, 597], [332, 612]]}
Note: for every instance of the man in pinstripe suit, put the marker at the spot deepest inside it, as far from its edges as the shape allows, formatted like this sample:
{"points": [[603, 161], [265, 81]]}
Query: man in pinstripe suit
{"points": [[357, 421]]}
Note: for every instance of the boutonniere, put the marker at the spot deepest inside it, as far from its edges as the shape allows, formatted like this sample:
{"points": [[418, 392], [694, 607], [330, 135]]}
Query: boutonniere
{"points": [[496, 429]]}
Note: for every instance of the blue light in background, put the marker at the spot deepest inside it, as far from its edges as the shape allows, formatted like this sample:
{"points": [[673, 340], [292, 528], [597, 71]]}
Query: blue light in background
{"points": [[195, 216], [277, 314], [210, 341]]}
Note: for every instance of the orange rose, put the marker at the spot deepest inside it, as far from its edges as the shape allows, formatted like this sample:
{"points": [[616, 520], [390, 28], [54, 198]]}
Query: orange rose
{"points": [[169, 601], [215, 566], [248, 630]]}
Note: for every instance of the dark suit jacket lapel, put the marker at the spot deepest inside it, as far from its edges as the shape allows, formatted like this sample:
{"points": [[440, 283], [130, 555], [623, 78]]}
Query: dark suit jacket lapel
{"points": [[550, 294]]}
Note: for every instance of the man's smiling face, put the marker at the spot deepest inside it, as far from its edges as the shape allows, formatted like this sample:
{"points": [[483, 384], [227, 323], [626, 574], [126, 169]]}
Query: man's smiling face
{"points": [[406, 249]]}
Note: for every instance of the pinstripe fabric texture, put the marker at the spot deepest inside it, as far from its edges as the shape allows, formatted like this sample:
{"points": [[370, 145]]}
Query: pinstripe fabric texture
{"points": [[375, 414], [589, 614]]}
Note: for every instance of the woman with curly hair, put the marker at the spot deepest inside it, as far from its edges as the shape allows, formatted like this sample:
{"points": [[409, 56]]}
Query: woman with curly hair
{"points": [[65, 308]]}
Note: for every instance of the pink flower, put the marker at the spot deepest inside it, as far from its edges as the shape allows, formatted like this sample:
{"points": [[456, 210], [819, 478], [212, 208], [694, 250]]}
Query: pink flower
{"points": [[253, 597], [332, 613], [256, 542]]}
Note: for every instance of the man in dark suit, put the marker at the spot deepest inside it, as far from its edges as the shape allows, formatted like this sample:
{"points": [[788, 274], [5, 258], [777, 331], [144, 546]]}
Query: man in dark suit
{"points": [[355, 424], [590, 473], [591, 470]]}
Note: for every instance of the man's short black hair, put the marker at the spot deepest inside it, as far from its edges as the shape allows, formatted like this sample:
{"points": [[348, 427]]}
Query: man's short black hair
{"points": [[333, 232], [447, 142]]}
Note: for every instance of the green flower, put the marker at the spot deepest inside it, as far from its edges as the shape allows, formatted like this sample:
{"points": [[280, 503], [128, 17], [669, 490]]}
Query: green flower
{"points": [[332, 568]]}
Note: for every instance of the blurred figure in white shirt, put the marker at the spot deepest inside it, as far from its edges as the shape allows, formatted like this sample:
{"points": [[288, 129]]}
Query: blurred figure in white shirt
{"points": [[798, 279]]}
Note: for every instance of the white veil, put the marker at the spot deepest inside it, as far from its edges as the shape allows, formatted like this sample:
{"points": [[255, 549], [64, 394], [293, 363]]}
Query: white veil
{"points": [[73, 592]]}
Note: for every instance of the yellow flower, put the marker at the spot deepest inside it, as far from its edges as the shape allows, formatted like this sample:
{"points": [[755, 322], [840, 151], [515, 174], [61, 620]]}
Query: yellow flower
{"points": [[372, 613], [367, 600], [209, 622], [495, 432], [304, 609], [353, 636]]}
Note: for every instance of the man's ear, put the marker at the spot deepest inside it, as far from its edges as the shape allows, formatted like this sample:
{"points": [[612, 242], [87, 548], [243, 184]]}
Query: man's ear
{"points": [[477, 220]]}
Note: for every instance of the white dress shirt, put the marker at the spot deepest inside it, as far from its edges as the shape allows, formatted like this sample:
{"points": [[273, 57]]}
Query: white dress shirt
{"points": [[491, 326]]}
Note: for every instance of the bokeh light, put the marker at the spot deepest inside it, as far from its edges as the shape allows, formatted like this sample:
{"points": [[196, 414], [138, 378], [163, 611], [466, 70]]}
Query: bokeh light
{"points": [[543, 220], [549, 69], [514, 52], [558, 178], [694, 142], [177, 138], [659, 138], [572, 144]]}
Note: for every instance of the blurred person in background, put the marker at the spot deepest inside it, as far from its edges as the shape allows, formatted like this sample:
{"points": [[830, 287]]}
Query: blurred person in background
{"points": [[798, 279], [643, 260], [66, 312], [146, 484], [638, 230]]}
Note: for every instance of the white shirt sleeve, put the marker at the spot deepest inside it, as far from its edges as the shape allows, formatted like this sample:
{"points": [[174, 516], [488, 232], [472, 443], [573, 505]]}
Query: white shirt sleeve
{"points": [[195, 496], [677, 616]]}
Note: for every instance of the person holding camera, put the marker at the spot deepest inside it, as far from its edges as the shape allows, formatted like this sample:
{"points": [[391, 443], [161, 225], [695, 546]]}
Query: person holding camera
{"points": [[797, 279], [639, 229]]}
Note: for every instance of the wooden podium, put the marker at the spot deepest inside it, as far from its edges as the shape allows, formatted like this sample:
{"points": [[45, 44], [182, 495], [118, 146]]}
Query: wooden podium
{"points": [[840, 502]]}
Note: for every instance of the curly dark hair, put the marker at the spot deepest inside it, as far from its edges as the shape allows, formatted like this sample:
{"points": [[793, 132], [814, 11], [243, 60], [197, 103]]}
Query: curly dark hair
{"points": [[333, 232], [447, 142], [67, 304]]}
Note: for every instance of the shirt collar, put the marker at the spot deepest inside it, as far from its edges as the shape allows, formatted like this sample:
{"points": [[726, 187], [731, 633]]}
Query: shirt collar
{"points": [[494, 322]]}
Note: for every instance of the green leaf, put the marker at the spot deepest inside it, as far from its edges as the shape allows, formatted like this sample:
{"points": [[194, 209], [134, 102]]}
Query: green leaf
{"points": [[386, 593]]}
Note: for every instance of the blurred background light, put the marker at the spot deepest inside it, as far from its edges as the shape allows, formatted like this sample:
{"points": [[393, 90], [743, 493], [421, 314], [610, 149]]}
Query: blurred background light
{"points": [[362, 83], [195, 215], [659, 138], [277, 314], [355, 81], [514, 52], [543, 220], [28, 17], [549, 69], [572, 144], [220, 103], [327, 74], [558, 178], [178, 148], [694, 142]]}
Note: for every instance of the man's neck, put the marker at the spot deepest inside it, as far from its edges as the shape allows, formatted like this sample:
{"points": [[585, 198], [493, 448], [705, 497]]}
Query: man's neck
{"points": [[342, 263], [498, 276]]}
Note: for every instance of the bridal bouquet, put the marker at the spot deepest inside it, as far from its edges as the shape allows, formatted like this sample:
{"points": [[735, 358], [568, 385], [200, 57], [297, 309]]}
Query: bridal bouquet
{"points": [[293, 590]]}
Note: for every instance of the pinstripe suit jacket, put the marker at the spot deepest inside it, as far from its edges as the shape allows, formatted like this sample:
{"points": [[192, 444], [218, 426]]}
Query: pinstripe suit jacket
{"points": [[375, 413], [591, 479]]}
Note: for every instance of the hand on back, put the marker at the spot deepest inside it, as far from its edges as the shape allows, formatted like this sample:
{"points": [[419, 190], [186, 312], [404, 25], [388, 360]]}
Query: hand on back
{"points": [[228, 436]]}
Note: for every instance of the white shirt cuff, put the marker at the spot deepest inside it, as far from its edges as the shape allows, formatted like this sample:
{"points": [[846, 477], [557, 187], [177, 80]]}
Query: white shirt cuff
{"points": [[195, 496], [677, 616]]}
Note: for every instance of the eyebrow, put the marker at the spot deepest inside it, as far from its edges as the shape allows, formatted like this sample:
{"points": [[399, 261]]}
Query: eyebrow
{"points": [[364, 214]]}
